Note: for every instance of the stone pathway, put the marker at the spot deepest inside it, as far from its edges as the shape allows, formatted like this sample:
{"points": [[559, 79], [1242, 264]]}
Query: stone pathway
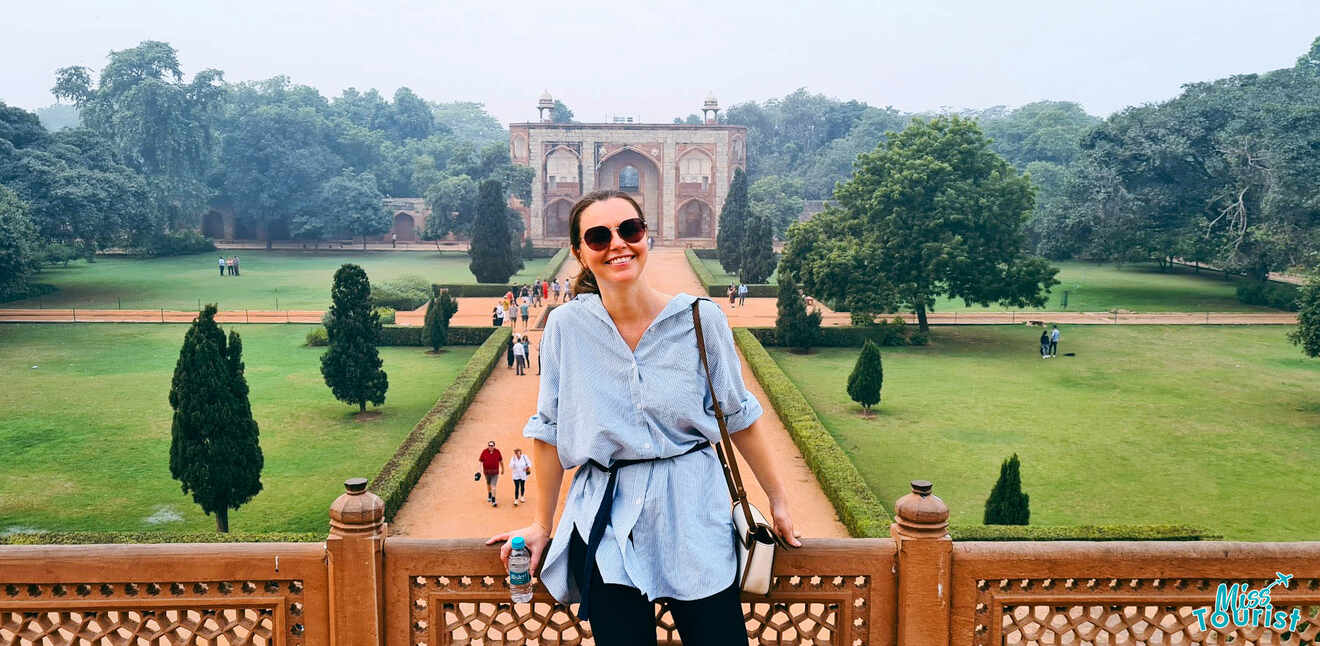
{"points": [[447, 503]]}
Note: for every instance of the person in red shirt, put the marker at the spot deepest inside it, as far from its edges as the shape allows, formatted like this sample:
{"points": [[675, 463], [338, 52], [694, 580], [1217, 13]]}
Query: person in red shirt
{"points": [[492, 465]]}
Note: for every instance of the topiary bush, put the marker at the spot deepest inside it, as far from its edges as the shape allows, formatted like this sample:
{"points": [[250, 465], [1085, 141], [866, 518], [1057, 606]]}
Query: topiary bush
{"points": [[386, 315], [317, 337]]}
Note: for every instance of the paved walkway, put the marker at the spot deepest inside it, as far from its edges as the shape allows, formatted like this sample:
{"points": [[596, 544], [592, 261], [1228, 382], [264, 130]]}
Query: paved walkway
{"points": [[447, 503]]}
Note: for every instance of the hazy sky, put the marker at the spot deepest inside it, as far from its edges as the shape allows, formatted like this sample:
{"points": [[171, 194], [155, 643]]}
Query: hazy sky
{"points": [[658, 60]]}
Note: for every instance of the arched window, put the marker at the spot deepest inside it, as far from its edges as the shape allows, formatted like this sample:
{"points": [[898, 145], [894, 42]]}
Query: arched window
{"points": [[562, 166], [629, 179]]}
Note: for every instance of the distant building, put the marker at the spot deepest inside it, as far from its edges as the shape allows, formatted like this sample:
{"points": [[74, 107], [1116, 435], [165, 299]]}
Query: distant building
{"points": [[678, 173], [407, 218]]}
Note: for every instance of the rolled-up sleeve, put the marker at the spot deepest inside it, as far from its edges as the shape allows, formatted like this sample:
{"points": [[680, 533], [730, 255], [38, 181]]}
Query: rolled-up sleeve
{"points": [[739, 406], [544, 424]]}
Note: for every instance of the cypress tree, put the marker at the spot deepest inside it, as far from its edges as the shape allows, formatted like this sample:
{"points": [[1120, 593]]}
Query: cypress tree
{"points": [[733, 224], [352, 366], [493, 253], [1007, 504], [435, 330], [867, 377], [214, 450], [794, 326], [758, 260]]}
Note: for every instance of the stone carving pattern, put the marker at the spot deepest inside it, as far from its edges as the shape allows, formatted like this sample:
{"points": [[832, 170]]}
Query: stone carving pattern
{"points": [[814, 610], [209, 613], [1058, 619]]}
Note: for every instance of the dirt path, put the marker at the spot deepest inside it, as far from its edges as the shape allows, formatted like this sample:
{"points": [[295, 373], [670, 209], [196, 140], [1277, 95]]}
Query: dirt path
{"points": [[447, 503]]}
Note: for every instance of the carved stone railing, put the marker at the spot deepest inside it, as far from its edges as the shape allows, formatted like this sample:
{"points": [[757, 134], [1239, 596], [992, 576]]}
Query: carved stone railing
{"points": [[454, 592], [361, 588]]}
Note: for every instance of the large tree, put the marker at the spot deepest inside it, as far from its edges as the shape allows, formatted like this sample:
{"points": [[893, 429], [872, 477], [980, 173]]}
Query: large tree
{"points": [[1307, 334], [353, 204], [932, 211], [493, 253], [453, 202], [352, 365], [795, 327], [214, 451], [758, 260], [737, 210], [18, 243], [160, 125]]}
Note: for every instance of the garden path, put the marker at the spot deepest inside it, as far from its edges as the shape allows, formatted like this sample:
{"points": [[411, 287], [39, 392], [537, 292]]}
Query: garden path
{"points": [[446, 504]]}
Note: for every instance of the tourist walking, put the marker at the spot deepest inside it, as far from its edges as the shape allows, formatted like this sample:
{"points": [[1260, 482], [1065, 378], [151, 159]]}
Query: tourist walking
{"points": [[554, 286], [525, 314], [222, 265], [520, 466], [394, 239], [1044, 344], [492, 465], [519, 357], [1054, 341], [605, 414], [236, 270], [742, 294], [509, 354], [497, 316], [545, 291], [733, 295]]}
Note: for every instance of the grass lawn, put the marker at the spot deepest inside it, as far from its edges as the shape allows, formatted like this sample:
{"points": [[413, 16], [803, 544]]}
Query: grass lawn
{"points": [[298, 280], [723, 277], [86, 430], [1212, 426]]}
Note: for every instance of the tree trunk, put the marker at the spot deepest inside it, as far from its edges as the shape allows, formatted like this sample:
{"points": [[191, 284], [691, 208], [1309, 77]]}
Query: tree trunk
{"points": [[269, 242], [921, 319], [362, 407], [364, 242], [222, 519]]}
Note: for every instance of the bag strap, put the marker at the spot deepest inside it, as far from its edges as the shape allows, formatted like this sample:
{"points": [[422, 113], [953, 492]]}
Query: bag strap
{"points": [[724, 449]]}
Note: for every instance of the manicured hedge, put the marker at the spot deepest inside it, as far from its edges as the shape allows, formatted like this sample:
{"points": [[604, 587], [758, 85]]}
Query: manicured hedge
{"points": [[396, 335], [707, 254], [556, 261], [487, 290], [1081, 533], [99, 538], [858, 508], [397, 478], [885, 333], [721, 290], [1280, 296], [540, 252]]}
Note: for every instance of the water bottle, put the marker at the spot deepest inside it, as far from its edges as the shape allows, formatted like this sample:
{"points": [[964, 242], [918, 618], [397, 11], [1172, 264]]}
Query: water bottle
{"points": [[520, 575]]}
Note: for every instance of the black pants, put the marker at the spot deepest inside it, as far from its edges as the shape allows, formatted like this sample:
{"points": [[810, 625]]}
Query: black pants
{"points": [[621, 615], [519, 488]]}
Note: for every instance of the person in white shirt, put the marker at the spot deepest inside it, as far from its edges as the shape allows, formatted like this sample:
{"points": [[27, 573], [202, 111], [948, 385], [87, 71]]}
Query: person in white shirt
{"points": [[521, 467], [519, 356]]}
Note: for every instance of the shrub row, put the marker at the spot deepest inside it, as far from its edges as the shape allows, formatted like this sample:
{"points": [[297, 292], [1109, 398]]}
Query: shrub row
{"points": [[1081, 533], [99, 538], [721, 290], [1281, 296], [175, 243], [858, 508], [487, 290], [406, 293], [397, 335], [540, 252], [707, 254], [885, 333], [397, 478]]}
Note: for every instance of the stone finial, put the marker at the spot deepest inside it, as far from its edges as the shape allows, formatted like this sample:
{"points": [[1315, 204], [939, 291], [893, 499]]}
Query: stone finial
{"points": [[356, 510], [546, 102], [921, 514]]}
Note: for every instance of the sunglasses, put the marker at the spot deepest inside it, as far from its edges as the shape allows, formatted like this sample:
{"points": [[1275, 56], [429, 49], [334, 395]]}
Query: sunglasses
{"points": [[630, 231]]}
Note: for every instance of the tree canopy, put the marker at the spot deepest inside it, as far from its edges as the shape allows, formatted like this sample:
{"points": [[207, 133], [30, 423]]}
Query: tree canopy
{"points": [[493, 251], [351, 365], [932, 211]]}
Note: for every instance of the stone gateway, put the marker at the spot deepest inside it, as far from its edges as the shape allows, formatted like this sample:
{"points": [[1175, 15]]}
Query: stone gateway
{"points": [[679, 174]]}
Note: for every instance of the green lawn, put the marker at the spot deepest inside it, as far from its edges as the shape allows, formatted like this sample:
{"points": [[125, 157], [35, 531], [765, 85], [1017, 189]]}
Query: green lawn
{"points": [[297, 280], [1096, 287], [723, 277], [1212, 426], [86, 430]]}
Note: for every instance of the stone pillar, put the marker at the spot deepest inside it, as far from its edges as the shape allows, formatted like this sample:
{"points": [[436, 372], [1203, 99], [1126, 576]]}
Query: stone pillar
{"points": [[536, 158], [588, 163], [355, 549], [668, 193], [925, 562]]}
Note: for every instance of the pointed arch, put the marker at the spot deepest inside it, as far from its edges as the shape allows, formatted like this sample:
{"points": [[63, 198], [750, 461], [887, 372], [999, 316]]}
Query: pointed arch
{"points": [[555, 218], [695, 219]]}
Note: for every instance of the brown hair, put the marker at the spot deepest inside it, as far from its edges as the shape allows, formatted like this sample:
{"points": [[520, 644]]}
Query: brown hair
{"points": [[585, 281]]}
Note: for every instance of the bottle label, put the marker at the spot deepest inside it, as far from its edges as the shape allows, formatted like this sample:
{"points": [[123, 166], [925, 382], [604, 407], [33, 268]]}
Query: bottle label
{"points": [[520, 578]]}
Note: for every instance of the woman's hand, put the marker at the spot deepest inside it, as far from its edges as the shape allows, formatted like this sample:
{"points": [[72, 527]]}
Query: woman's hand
{"points": [[783, 523], [535, 536]]}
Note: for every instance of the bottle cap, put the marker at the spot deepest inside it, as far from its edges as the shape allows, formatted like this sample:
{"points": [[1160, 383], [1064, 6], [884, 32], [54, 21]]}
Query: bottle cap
{"points": [[519, 543]]}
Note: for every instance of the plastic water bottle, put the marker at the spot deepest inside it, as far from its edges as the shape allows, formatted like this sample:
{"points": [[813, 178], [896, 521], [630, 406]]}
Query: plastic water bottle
{"points": [[520, 575]]}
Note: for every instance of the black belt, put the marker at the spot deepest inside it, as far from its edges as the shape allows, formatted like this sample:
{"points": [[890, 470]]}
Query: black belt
{"points": [[603, 519]]}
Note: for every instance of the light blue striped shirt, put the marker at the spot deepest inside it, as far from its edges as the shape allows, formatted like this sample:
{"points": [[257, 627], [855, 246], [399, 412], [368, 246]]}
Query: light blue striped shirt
{"points": [[601, 401]]}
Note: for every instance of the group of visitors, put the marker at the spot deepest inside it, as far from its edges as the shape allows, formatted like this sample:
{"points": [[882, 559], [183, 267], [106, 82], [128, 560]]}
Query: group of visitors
{"points": [[492, 465], [1049, 343], [518, 303], [738, 294], [228, 265], [520, 354]]}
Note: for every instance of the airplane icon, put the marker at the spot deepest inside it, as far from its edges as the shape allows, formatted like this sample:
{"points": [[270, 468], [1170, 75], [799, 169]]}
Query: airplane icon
{"points": [[1280, 579]]}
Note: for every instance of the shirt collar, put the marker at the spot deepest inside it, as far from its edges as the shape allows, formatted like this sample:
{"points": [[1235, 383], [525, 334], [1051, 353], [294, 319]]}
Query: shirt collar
{"points": [[681, 302]]}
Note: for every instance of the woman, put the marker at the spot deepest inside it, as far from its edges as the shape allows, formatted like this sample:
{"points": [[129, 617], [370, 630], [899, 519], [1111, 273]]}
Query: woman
{"points": [[623, 380]]}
